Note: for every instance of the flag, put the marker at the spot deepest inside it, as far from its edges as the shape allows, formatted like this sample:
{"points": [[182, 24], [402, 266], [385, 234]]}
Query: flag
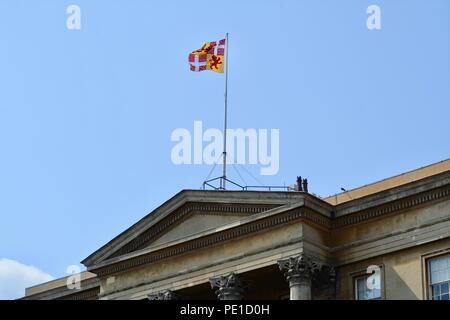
{"points": [[211, 56]]}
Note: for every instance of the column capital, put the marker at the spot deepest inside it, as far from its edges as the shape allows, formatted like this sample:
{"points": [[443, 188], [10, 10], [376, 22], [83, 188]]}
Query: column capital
{"points": [[300, 267], [299, 271], [163, 295], [230, 287]]}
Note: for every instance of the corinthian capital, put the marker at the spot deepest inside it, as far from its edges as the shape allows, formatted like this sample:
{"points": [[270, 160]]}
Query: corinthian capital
{"points": [[297, 267], [230, 287], [165, 295]]}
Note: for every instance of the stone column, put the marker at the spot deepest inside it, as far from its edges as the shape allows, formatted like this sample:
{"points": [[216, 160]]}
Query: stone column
{"points": [[298, 272], [230, 287], [164, 295]]}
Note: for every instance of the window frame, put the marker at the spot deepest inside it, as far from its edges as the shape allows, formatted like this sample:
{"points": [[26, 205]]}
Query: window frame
{"points": [[426, 272], [426, 287]]}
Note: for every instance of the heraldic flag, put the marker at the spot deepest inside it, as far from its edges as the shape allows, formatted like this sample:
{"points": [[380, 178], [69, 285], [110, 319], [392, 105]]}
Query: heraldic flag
{"points": [[209, 57]]}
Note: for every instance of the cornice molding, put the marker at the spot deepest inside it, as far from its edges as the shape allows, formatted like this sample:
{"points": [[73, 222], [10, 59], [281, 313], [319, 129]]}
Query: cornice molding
{"points": [[392, 207], [266, 222], [258, 215], [441, 180], [181, 199], [212, 239], [62, 293], [91, 294]]}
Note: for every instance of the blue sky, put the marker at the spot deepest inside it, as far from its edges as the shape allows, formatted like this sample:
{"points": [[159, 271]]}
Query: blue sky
{"points": [[86, 115]]}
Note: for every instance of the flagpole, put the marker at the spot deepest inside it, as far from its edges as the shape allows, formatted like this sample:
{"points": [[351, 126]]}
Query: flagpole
{"points": [[224, 175]]}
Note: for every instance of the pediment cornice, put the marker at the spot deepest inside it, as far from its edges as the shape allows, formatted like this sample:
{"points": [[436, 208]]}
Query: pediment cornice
{"points": [[181, 205], [257, 216], [252, 224]]}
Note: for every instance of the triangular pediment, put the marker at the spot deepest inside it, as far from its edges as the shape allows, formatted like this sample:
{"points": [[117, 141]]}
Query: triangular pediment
{"points": [[194, 224], [188, 213]]}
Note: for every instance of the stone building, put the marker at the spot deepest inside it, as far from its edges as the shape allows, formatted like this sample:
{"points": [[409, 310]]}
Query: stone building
{"points": [[385, 240]]}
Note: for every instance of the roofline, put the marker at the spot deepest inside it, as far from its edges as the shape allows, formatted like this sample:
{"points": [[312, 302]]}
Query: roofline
{"points": [[392, 196], [57, 284], [231, 196], [191, 195], [332, 196]]}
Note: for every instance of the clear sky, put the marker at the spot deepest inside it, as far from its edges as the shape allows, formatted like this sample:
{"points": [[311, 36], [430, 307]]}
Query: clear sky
{"points": [[86, 115]]}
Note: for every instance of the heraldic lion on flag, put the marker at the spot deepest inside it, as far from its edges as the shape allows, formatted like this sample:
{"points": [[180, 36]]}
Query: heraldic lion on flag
{"points": [[209, 57]]}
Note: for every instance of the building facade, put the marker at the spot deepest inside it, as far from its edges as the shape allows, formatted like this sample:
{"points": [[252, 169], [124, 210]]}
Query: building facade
{"points": [[385, 240]]}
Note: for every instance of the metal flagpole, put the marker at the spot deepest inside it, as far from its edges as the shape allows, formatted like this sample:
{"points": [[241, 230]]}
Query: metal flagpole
{"points": [[224, 175]]}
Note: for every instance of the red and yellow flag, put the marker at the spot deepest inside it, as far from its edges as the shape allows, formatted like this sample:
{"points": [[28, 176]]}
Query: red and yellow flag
{"points": [[211, 56]]}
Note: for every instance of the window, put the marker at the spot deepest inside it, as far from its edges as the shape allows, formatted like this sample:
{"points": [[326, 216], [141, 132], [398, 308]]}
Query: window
{"points": [[439, 277], [368, 287]]}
